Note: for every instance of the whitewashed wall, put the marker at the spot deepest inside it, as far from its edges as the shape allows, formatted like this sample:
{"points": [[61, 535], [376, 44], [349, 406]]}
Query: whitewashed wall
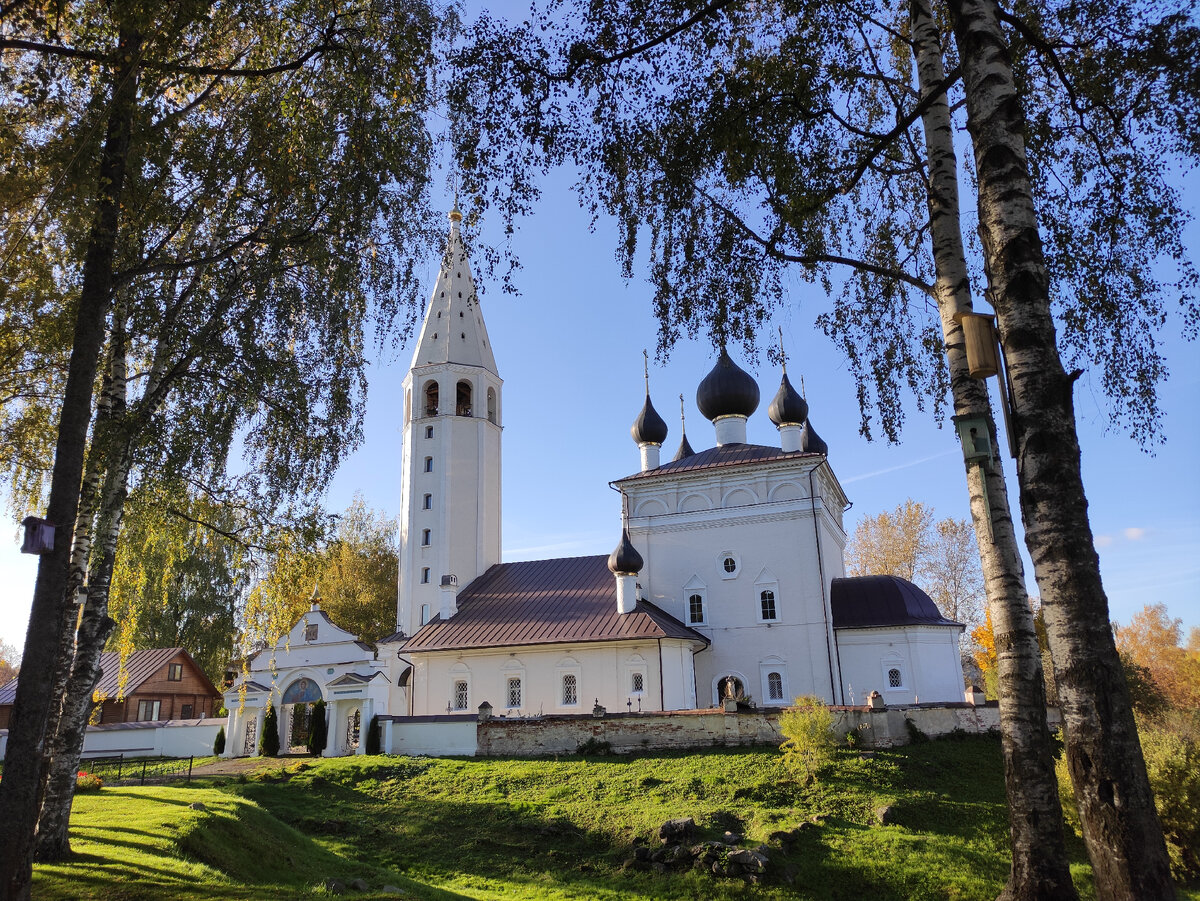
{"points": [[927, 657], [445, 736]]}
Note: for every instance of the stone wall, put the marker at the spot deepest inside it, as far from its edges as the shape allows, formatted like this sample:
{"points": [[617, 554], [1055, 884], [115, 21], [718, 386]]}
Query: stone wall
{"points": [[624, 732]]}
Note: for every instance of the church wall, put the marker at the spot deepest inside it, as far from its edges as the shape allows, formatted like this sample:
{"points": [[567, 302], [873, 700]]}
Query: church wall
{"points": [[927, 658], [604, 672]]}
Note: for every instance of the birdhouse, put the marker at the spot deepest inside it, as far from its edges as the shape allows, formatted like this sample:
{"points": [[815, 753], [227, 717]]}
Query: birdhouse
{"points": [[975, 436], [979, 335], [39, 536]]}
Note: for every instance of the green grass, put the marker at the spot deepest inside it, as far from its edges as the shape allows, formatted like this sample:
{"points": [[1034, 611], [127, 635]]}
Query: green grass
{"points": [[559, 829]]}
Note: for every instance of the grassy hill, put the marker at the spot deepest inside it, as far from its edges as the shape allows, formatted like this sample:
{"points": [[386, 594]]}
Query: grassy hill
{"points": [[562, 828]]}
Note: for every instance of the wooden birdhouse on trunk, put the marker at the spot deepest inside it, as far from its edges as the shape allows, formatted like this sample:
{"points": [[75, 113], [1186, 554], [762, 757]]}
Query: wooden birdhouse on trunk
{"points": [[39, 536]]}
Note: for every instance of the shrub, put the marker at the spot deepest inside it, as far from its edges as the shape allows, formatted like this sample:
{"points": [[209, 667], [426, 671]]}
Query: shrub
{"points": [[86, 783], [594, 747], [219, 742], [268, 744], [808, 732], [318, 733], [373, 735]]}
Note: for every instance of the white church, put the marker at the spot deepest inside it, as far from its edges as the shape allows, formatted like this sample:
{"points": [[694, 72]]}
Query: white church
{"points": [[727, 581]]}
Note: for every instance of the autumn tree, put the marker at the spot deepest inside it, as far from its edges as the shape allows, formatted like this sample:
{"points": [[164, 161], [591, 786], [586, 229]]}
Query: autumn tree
{"points": [[10, 663], [1153, 640]]}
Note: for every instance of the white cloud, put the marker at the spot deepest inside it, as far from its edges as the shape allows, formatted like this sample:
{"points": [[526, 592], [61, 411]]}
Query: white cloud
{"points": [[1135, 534], [1103, 540]]}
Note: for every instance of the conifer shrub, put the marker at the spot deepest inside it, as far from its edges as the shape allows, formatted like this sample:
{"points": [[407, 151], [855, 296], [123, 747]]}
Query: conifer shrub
{"points": [[373, 735], [809, 742], [318, 734], [268, 744], [219, 742]]}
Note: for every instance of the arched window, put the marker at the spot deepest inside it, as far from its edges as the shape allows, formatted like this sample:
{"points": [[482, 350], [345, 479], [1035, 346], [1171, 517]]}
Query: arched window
{"points": [[462, 402], [570, 690], [431, 399], [894, 680], [695, 608], [767, 599], [460, 694], [491, 402], [774, 687], [731, 687]]}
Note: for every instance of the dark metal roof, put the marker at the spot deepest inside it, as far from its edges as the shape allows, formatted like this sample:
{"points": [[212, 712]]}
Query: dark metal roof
{"points": [[571, 599], [727, 390], [396, 636], [355, 678], [725, 455], [863, 602], [8, 692], [649, 427], [685, 450], [139, 666], [788, 407], [811, 442]]}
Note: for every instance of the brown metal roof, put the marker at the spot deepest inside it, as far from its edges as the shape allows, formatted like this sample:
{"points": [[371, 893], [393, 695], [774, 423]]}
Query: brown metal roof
{"points": [[572, 599], [725, 455], [8, 692], [140, 666]]}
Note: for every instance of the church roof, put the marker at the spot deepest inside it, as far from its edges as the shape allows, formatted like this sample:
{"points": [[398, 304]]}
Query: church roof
{"points": [[864, 602], [571, 599], [724, 455], [453, 331]]}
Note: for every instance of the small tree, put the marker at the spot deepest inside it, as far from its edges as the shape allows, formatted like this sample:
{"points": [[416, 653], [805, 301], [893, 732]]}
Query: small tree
{"points": [[268, 744], [809, 741], [219, 742], [318, 734], [373, 736]]}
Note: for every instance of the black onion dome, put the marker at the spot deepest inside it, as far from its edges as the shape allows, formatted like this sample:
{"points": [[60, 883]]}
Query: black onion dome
{"points": [[685, 450], [811, 442], [625, 560], [649, 427], [728, 390], [788, 407]]}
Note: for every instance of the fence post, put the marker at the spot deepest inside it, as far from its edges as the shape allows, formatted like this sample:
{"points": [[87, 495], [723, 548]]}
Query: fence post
{"points": [[144, 760], [190, 759], [120, 764]]}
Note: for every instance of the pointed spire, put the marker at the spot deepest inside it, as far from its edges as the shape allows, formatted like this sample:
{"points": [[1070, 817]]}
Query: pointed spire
{"points": [[315, 599], [685, 449]]}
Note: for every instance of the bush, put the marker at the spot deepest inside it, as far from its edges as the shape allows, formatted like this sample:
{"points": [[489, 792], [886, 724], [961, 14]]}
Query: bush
{"points": [[268, 743], [809, 741], [318, 733], [373, 735], [86, 783], [219, 742]]}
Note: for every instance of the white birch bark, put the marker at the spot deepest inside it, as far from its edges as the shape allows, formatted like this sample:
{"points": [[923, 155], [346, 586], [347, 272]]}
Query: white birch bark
{"points": [[1039, 859], [1116, 808]]}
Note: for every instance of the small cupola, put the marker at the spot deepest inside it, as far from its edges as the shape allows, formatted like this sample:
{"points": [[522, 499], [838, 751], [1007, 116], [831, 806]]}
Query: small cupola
{"points": [[788, 411], [727, 397], [811, 442], [685, 448], [625, 563], [649, 430]]}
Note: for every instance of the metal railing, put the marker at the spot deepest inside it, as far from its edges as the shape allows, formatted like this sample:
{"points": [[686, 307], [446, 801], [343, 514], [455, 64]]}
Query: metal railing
{"points": [[122, 770]]}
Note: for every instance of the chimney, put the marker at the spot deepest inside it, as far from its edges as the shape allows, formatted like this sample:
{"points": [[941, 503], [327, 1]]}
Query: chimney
{"points": [[449, 591]]}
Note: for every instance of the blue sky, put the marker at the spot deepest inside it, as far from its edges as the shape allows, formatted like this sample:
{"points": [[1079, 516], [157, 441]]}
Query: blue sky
{"points": [[569, 348]]}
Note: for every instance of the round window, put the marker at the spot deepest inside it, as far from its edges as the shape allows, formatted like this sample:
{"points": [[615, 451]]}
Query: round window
{"points": [[730, 565]]}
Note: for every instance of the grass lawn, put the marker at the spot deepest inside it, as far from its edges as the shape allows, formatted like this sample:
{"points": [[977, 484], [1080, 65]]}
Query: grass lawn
{"points": [[562, 828]]}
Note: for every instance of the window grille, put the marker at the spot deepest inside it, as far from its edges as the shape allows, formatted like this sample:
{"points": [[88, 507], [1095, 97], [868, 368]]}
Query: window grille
{"points": [[894, 680], [774, 686], [638, 683], [514, 692], [570, 690], [460, 694]]}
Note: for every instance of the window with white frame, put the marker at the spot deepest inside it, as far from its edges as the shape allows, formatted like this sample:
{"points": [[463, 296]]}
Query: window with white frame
{"points": [[766, 593], [570, 690], [148, 711], [427, 502], [894, 674], [766, 600], [513, 697], [426, 537], [728, 564], [895, 680], [637, 682], [429, 464], [428, 431], [424, 614], [460, 694], [774, 686], [424, 575], [695, 606]]}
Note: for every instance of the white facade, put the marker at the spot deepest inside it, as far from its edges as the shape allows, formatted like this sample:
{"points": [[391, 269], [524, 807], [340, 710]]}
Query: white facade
{"points": [[909, 665]]}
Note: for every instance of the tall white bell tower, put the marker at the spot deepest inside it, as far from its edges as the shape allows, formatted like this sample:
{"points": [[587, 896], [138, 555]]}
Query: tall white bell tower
{"points": [[450, 489]]}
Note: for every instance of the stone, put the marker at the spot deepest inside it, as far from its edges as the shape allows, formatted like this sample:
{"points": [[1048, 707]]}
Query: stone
{"points": [[885, 815], [197, 805], [641, 852], [731, 838], [335, 886], [359, 885], [677, 831]]}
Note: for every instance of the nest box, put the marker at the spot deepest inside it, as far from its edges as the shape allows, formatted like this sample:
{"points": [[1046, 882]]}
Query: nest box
{"points": [[976, 438], [39, 536], [979, 336]]}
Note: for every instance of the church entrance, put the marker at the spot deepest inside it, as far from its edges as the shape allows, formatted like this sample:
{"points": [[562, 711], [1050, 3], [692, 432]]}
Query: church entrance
{"points": [[297, 713], [730, 688]]}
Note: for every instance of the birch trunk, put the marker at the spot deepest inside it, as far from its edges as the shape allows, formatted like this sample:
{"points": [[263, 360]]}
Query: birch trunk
{"points": [[1116, 807], [1039, 857], [66, 743], [24, 763]]}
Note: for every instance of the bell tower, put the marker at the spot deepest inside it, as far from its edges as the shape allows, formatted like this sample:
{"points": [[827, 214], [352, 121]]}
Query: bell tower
{"points": [[450, 485]]}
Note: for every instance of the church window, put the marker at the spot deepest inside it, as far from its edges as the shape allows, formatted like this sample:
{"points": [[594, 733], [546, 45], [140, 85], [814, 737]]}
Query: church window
{"points": [[424, 614], [894, 680], [431, 398], [462, 406], [175, 672], [428, 502], [767, 600], [460, 694], [310, 632], [426, 537], [570, 690], [429, 464], [514, 692], [424, 575], [637, 683], [730, 565], [428, 431], [491, 405], [774, 687], [696, 609]]}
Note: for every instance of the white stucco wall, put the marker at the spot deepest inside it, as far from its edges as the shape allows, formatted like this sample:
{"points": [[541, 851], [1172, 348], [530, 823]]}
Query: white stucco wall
{"points": [[603, 671], [442, 737], [169, 738], [927, 657]]}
